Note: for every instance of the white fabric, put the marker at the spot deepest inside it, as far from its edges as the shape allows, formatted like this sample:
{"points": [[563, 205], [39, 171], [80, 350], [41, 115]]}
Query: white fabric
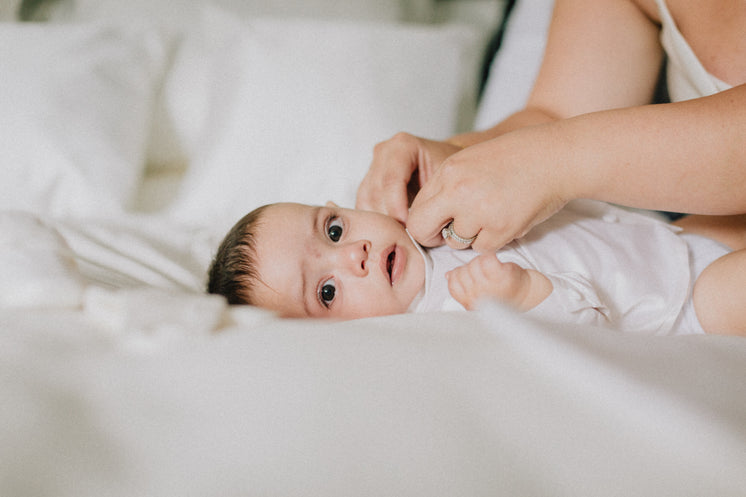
{"points": [[442, 404], [38, 266], [434, 295], [290, 110], [75, 107], [686, 76], [129, 251], [516, 64], [179, 13], [148, 319], [608, 266]]}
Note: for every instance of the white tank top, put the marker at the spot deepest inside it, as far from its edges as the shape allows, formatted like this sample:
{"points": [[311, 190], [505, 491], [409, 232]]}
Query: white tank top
{"points": [[687, 77]]}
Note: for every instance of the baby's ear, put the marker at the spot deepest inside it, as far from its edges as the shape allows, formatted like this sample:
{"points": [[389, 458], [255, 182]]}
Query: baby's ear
{"points": [[332, 204]]}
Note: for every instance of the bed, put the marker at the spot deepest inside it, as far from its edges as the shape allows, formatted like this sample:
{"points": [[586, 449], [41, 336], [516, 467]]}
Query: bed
{"points": [[135, 133]]}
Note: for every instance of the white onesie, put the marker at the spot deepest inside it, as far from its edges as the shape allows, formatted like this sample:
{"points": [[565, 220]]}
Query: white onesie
{"points": [[607, 265]]}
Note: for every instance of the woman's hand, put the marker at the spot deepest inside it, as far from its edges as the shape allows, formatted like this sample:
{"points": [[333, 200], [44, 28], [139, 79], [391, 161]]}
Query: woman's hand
{"points": [[391, 178], [497, 191]]}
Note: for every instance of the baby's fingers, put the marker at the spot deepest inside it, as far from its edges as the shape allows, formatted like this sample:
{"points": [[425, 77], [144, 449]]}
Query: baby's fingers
{"points": [[486, 267], [469, 283], [485, 277], [459, 285]]}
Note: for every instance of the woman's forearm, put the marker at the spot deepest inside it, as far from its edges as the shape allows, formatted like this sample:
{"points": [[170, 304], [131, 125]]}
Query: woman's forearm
{"points": [[687, 157], [526, 117]]}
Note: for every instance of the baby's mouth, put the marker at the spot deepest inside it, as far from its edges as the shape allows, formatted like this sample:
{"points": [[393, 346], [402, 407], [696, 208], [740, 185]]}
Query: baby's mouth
{"points": [[393, 260], [390, 264]]}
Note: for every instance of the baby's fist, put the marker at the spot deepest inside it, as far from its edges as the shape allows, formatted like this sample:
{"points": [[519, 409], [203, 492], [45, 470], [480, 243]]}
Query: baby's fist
{"points": [[486, 277]]}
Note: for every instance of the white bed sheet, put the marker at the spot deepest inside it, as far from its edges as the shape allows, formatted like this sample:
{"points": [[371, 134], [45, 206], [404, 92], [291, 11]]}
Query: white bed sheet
{"points": [[473, 404]]}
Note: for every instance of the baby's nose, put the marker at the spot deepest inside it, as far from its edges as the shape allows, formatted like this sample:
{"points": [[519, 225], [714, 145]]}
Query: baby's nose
{"points": [[355, 257]]}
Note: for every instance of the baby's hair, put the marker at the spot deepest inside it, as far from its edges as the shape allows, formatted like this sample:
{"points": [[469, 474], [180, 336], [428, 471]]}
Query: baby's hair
{"points": [[233, 271]]}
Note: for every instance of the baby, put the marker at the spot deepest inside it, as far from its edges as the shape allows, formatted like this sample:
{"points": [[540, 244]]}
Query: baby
{"points": [[591, 263]]}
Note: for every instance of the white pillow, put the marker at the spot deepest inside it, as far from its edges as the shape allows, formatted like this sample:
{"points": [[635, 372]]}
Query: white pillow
{"points": [[517, 63], [75, 110], [274, 110], [176, 13]]}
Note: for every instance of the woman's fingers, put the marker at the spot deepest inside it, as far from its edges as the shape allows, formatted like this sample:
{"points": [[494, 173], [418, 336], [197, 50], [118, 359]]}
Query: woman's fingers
{"points": [[449, 204], [388, 197], [489, 191], [384, 187], [430, 213], [400, 166]]}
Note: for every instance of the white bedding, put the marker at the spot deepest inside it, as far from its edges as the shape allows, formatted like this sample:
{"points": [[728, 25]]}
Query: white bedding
{"points": [[129, 147]]}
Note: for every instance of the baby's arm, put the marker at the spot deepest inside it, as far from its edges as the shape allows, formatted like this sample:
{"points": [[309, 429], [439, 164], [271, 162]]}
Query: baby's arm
{"points": [[573, 297], [486, 276]]}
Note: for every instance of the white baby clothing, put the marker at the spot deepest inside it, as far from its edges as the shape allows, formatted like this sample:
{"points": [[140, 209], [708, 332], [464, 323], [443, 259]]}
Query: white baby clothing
{"points": [[608, 266], [686, 76]]}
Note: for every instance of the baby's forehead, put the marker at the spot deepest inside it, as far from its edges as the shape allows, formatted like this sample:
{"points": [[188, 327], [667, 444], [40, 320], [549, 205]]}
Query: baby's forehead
{"points": [[287, 214], [281, 237], [273, 217]]}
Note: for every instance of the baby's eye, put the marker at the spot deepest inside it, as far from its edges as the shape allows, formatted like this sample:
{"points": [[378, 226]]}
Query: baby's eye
{"points": [[327, 291], [334, 229]]}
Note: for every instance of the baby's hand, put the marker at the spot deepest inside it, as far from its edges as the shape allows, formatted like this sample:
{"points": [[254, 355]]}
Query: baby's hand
{"points": [[485, 276]]}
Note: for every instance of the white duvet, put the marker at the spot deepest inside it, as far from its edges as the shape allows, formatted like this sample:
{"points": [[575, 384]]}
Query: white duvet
{"points": [[128, 148]]}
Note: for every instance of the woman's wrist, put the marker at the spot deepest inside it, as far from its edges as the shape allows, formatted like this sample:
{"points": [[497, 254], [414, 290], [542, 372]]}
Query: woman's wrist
{"points": [[556, 164], [464, 140], [520, 119]]}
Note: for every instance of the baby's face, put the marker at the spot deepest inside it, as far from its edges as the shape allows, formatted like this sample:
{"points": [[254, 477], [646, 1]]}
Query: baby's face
{"points": [[334, 262]]}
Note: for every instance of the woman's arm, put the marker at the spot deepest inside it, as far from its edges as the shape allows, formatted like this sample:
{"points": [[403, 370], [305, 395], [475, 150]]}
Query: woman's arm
{"points": [[600, 54], [687, 157]]}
